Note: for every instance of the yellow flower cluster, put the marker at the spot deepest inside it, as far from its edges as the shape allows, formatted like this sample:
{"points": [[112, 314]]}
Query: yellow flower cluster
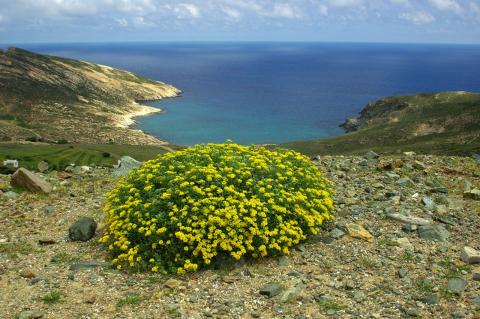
{"points": [[180, 211]]}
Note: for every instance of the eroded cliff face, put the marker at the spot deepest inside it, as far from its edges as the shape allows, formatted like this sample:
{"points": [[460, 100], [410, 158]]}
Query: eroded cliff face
{"points": [[53, 98]]}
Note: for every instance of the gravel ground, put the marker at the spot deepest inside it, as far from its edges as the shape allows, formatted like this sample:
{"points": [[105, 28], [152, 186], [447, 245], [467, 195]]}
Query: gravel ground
{"points": [[398, 272]]}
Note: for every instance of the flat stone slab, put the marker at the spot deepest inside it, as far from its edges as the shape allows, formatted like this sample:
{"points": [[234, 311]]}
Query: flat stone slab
{"points": [[410, 219], [470, 255], [84, 265], [271, 289]]}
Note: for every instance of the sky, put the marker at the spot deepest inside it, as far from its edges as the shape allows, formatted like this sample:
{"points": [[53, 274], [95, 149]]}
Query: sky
{"points": [[411, 21]]}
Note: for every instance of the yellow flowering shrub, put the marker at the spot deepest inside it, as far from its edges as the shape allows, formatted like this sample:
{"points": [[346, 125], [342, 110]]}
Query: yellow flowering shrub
{"points": [[180, 211]]}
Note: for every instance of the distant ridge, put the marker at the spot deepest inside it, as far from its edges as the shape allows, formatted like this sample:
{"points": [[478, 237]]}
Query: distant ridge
{"points": [[55, 99], [443, 123]]}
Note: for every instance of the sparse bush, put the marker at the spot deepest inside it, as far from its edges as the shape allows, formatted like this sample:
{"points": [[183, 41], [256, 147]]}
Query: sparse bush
{"points": [[183, 210]]}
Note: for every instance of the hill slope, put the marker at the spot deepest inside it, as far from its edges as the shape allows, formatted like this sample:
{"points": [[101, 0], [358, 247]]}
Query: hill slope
{"points": [[443, 123], [54, 98]]}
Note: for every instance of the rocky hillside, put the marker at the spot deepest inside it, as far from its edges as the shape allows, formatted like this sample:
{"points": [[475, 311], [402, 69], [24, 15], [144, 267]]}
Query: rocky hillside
{"points": [[397, 249], [51, 98], [443, 123]]}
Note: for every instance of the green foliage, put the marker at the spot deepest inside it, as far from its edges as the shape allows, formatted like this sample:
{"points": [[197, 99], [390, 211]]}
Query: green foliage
{"points": [[130, 299], [183, 210], [52, 297]]}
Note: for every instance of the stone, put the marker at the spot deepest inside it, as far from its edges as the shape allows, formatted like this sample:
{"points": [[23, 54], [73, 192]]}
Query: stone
{"points": [[371, 155], [46, 242], [413, 312], [125, 165], [10, 194], [392, 175], [419, 165], [407, 219], [459, 315], [457, 285], [83, 229], [172, 283], [358, 231], [440, 190], [402, 273], [359, 296], [42, 166], [27, 180], [405, 181], [30, 314], [27, 273], [337, 233], [49, 209], [409, 228], [403, 243], [85, 265], [470, 255], [409, 154], [476, 300], [283, 261], [467, 186], [472, 194], [428, 202], [292, 293], [433, 232], [476, 274], [431, 299], [317, 158], [271, 289]]}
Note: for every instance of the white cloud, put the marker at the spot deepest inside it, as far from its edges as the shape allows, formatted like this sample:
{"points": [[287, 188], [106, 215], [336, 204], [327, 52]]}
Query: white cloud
{"points": [[447, 5], [323, 9], [418, 17], [347, 3], [192, 9], [231, 13], [285, 10], [142, 22], [122, 22]]}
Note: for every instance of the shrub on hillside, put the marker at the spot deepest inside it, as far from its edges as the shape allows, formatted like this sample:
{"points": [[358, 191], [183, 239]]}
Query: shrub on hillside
{"points": [[182, 210]]}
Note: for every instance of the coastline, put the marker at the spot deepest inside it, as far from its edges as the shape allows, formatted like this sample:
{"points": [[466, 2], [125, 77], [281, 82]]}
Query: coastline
{"points": [[138, 110]]}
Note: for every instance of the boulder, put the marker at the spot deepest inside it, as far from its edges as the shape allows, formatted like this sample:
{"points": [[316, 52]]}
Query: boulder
{"points": [[125, 165], [433, 232], [472, 194], [83, 229], [27, 180], [357, 231]]}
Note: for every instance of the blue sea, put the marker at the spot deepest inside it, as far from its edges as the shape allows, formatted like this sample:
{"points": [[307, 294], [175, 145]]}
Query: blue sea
{"points": [[277, 92]]}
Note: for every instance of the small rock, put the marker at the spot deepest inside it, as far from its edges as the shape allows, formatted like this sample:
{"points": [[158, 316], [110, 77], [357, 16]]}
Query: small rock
{"points": [[84, 265], [413, 312], [402, 273], [283, 261], [441, 190], [403, 243], [467, 186], [409, 228], [359, 296], [337, 233], [172, 283], [476, 274], [49, 209], [371, 155], [27, 273], [472, 194], [83, 229], [409, 219], [470, 255], [45, 242], [431, 299], [433, 232], [293, 292], [10, 194], [457, 285], [31, 314], [405, 181], [459, 315], [419, 165], [90, 299], [358, 231], [409, 154], [42, 166], [27, 180], [476, 300], [428, 202], [271, 289], [392, 175]]}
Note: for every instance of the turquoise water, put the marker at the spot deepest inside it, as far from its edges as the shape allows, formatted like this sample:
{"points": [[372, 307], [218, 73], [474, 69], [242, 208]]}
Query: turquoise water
{"points": [[277, 92]]}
